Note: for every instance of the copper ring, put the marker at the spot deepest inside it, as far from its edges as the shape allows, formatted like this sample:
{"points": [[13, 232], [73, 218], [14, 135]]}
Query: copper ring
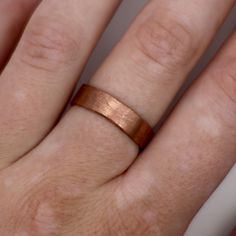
{"points": [[115, 111]]}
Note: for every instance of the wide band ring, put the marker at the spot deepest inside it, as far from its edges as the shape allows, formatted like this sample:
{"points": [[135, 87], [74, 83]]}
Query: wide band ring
{"points": [[121, 115]]}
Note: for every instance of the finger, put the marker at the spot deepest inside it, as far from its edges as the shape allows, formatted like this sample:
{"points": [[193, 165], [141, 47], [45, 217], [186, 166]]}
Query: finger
{"points": [[194, 150], [144, 71], [13, 17], [42, 73]]}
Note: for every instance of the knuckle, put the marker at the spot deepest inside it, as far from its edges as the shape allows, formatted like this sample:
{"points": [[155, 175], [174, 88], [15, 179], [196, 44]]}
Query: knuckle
{"points": [[168, 43], [49, 44], [138, 216], [46, 208]]}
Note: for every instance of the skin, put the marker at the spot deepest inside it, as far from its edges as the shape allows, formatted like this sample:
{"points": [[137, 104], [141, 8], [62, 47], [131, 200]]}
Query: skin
{"points": [[79, 174]]}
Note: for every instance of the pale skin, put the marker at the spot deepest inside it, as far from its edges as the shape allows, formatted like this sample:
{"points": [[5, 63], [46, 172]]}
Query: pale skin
{"points": [[81, 175]]}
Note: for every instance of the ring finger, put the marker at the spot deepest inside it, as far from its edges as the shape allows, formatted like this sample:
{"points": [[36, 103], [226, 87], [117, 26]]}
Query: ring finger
{"points": [[144, 71]]}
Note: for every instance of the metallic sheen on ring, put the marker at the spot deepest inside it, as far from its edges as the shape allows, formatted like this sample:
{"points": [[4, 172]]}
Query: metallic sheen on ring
{"points": [[121, 115]]}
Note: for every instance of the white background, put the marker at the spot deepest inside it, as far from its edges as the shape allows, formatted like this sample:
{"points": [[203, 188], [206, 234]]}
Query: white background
{"points": [[218, 216]]}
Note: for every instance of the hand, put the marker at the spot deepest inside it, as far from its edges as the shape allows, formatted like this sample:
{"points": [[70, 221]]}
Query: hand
{"points": [[82, 175]]}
